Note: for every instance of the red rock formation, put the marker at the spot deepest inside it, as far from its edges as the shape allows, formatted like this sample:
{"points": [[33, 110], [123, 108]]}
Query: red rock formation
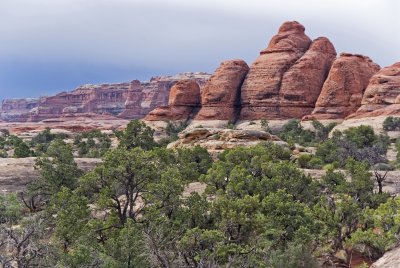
{"points": [[221, 95], [125, 100], [302, 83], [145, 97], [18, 110], [382, 96], [260, 90], [343, 90], [184, 100], [87, 99]]}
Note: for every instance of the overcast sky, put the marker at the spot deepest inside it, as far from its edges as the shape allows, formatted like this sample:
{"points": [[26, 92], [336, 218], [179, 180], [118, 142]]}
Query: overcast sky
{"points": [[47, 46]]}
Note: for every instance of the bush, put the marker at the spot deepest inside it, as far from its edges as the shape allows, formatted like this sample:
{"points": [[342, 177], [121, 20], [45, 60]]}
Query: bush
{"points": [[315, 163], [22, 150], [391, 123], [309, 161], [362, 136], [303, 160]]}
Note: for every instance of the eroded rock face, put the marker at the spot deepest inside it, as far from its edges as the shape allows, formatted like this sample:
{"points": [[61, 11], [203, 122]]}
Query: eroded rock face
{"points": [[85, 100], [302, 83], [221, 95], [143, 97], [184, 102], [343, 89], [18, 110], [217, 140], [125, 100], [382, 96], [261, 88]]}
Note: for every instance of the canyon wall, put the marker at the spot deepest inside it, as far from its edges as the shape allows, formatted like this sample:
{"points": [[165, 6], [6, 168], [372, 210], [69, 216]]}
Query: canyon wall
{"points": [[17, 110], [124, 100]]}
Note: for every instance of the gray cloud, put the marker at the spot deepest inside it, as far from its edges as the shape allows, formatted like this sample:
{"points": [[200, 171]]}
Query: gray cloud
{"points": [[158, 37]]}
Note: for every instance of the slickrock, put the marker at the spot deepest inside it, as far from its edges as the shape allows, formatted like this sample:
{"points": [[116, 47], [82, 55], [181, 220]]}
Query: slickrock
{"points": [[382, 96], [217, 140], [184, 102], [302, 83], [343, 89], [260, 90], [390, 259], [221, 95]]}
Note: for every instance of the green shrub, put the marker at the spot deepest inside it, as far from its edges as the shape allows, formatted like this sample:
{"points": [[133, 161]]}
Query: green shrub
{"points": [[362, 136], [315, 163], [309, 161], [391, 123], [292, 131], [303, 160]]}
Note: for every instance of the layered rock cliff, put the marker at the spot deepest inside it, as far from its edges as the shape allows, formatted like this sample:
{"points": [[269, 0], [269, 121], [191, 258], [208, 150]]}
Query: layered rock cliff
{"points": [[144, 97], [85, 100], [18, 110], [125, 100]]}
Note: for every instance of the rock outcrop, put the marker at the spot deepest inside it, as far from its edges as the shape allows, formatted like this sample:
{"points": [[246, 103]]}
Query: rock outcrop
{"points": [[217, 140], [261, 88], [343, 89], [382, 96], [302, 83], [184, 102], [123, 100], [390, 259], [18, 110], [85, 100], [221, 95], [143, 97]]}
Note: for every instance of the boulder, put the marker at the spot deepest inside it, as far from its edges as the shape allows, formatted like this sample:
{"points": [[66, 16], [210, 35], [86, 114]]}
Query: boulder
{"points": [[343, 89], [221, 95]]}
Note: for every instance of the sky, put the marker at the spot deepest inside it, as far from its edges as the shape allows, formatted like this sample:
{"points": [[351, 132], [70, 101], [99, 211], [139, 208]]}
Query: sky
{"points": [[49, 46]]}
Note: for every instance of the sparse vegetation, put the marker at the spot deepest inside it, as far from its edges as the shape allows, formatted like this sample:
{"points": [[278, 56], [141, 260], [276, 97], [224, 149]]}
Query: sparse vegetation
{"points": [[258, 209]]}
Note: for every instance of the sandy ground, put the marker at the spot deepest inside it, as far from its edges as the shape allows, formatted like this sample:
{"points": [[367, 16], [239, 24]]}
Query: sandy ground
{"points": [[16, 173]]}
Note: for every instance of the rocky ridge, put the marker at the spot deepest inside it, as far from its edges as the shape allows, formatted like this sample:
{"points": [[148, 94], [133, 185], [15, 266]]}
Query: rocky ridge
{"points": [[122, 100], [294, 77]]}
